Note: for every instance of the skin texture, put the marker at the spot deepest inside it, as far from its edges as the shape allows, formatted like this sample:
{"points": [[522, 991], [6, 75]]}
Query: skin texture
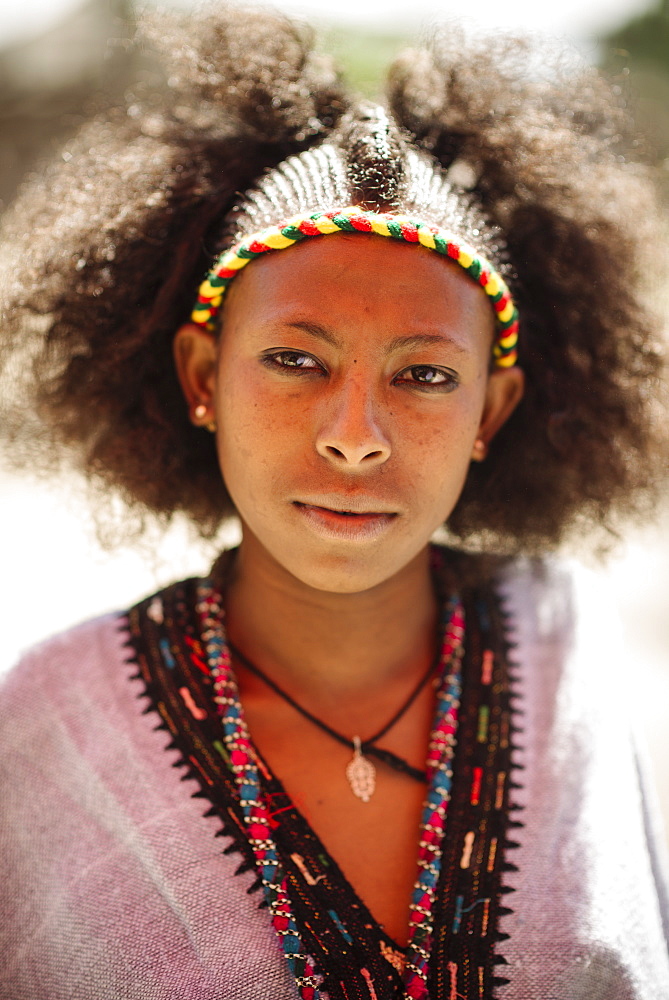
{"points": [[347, 627], [354, 429]]}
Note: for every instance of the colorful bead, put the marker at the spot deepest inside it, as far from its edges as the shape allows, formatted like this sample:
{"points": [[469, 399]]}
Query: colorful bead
{"points": [[257, 811]]}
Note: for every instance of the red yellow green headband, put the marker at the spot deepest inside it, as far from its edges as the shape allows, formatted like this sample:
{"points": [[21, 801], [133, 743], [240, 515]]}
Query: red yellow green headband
{"points": [[357, 220]]}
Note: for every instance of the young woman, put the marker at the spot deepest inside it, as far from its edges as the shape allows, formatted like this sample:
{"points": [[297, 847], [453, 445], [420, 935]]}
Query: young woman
{"points": [[247, 294]]}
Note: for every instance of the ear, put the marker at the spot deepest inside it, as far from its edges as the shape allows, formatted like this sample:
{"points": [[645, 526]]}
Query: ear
{"points": [[195, 360], [503, 393]]}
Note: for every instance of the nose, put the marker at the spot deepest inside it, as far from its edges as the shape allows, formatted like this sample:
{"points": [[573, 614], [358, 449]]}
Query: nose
{"points": [[349, 433]]}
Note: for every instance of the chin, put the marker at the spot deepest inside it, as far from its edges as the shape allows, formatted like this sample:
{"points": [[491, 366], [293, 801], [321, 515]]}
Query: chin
{"points": [[344, 569], [341, 580]]}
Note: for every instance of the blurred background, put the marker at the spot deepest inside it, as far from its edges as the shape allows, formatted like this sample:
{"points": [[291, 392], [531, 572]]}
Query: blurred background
{"points": [[55, 54]]}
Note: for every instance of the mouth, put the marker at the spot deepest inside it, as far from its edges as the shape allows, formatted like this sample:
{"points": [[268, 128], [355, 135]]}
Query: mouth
{"points": [[345, 513], [345, 524]]}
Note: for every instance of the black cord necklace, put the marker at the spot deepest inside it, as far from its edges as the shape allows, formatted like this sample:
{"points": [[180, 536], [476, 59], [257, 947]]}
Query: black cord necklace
{"points": [[360, 772]]}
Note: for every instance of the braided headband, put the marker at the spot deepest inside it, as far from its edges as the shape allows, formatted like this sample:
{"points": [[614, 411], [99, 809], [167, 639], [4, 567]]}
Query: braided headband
{"points": [[357, 220]]}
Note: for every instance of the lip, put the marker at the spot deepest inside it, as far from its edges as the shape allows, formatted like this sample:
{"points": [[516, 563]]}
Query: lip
{"points": [[356, 504], [331, 524]]}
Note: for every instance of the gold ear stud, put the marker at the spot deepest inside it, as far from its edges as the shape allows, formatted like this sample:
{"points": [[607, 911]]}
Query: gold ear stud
{"points": [[480, 450], [201, 417]]}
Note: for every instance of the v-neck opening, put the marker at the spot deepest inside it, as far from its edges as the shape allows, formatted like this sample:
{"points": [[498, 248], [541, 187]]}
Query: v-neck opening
{"points": [[169, 648], [275, 785]]}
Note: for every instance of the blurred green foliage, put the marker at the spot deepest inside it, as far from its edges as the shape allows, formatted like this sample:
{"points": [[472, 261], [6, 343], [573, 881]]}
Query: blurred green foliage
{"points": [[637, 54], [364, 56], [645, 39]]}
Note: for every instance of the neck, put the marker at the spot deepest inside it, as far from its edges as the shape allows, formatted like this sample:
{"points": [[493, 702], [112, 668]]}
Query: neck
{"points": [[332, 647]]}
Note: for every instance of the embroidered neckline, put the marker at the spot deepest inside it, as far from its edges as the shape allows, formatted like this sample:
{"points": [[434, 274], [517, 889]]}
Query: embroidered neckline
{"points": [[257, 810], [169, 644]]}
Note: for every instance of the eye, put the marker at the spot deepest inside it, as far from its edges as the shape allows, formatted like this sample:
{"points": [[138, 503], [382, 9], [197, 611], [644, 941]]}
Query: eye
{"points": [[295, 362], [428, 377]]}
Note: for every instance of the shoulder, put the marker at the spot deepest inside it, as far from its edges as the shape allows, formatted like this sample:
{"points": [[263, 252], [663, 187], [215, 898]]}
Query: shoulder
{"points": [[65, 659], [86, 653], [62, 691], [537, 594], [79, 677], [561, 624], [567, 646]]}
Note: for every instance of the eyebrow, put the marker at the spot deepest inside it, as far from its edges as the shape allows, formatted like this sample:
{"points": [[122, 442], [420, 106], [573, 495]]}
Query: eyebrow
{"points": [[412, 340]]}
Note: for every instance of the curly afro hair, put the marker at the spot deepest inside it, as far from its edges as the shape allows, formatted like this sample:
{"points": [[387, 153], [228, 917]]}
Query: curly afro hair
{"points": [[102, 256]]}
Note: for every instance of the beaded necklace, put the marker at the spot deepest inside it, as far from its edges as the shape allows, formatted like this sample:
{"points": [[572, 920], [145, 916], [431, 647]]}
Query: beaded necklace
{"points": [[257, 816], [355, 958]]}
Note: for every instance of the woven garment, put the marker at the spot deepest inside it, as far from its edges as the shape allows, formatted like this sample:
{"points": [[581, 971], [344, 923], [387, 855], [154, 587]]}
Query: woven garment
{"points": [[340, 940], [115, 885]]}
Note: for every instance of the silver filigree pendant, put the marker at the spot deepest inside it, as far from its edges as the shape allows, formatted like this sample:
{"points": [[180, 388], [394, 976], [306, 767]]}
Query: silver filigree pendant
{"points": [[361, 773]]}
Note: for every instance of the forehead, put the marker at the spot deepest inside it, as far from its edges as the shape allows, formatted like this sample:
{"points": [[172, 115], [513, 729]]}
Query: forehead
{"points": [[364, 274]]}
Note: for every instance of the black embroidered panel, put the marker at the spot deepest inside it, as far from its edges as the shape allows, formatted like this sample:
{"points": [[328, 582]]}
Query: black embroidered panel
{"points": [[357, 959], [471, 891]]}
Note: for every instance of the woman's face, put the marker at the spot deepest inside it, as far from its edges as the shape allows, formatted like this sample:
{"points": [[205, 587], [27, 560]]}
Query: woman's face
{"points": [[352, 372]]}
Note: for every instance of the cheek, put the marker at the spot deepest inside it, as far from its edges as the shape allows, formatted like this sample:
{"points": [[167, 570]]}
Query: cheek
{"points": [[455, 426], [252, 429], [441, 457], [440, 452], [232, 416]]}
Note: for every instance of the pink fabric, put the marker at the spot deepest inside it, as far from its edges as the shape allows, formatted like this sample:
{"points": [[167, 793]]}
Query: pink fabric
{"points": [[590, 914], [114, 885]]}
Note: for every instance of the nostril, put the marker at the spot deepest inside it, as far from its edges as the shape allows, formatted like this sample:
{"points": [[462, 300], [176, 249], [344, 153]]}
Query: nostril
{"points": [[353, 445], [340, 454]]}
